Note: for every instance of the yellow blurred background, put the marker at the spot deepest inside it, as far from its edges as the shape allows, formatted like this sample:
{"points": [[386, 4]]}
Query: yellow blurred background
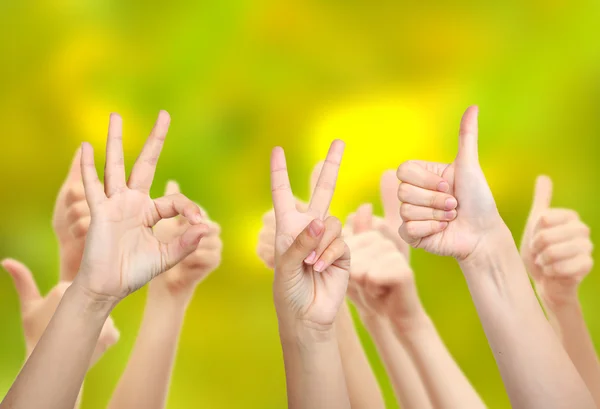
{"points": [[238, 77]]}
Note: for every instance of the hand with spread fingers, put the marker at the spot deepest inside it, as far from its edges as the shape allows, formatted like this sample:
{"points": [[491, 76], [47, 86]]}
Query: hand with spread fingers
{"points": [[71, 220], [557, 251], [121, 254], [36, 311], [312, 264], [431, 193]]}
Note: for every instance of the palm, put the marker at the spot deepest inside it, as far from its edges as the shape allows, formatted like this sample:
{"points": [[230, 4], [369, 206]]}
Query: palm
{"points": [[122, 253]]}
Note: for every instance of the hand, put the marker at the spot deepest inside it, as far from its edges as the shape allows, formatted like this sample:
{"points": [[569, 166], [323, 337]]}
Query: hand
{"points": [[312, 262], [448, 209], [381, 281], [121, 251], [183, 278], [266, 238], [556, 247], [71, 220], [36, 311]]}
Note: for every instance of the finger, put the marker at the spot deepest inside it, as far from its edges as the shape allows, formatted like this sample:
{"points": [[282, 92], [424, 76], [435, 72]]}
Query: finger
{"points": [[314, 176], [281, 191], [468, 134], [332, 253], [559, 234], [94, 191], [143, 170], [414, 173], [211, 243], [389, 199], [306, 242], [323, 193], [564, 250], [114, 168], [174, 205], [78, 211], [542, 194], [577, 266], [414, 195], [267, 255], [75, 169], [412, 232], [80, 227], [333, 229], [24, 282], [389, 269], [182, 246], [109, 334], [555, 217], [363, 220], [410, 212], [172, 188], [75, 193]]}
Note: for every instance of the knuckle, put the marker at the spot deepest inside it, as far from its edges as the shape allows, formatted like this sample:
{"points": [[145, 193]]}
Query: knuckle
{"points": [[403, 191], [405, 211], [403, 169]]}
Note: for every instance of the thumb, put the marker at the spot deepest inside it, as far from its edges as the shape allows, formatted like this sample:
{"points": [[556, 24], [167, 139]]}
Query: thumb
{"points": [[389, 199], [542, 194], [23, 279], [172, 188], [75, 170], [468, 134], [305, 244], [363, 220], [314, 176]]}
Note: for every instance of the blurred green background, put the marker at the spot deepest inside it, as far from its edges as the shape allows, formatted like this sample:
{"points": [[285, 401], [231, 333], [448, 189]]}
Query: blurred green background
{"points": [[238, 77]]}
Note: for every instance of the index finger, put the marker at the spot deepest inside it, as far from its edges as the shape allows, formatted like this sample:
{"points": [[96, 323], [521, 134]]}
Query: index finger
{"points": [[323, 193], [281, 191], [389, 199]]}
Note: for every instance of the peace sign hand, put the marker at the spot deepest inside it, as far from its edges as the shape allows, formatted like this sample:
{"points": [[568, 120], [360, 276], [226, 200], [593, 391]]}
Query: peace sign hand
{"points": [[121, 251], [312, 262]]}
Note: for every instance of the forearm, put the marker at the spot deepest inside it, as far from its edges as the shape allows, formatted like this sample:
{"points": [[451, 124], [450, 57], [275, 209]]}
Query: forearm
{"points": [[362, 385], [53, 374], [444, 381], [313, 367], [536, 371], [145, 382], [568, 323], [408, 386]]}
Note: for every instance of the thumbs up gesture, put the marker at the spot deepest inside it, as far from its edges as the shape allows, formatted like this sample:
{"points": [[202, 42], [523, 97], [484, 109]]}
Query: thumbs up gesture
{"points": [[448, 209], [312, 262], [36, 311], [556, 246], [182, 279], [71, 220]]}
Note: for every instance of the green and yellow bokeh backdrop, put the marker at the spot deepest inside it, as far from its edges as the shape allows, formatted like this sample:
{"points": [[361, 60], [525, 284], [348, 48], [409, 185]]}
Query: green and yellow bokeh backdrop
{"points": [[238, 77]]}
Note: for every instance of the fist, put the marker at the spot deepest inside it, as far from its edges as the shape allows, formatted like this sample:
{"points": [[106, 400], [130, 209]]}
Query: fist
{"points": [[71, 220], [556, 246], [36, 311], [184, 277], [448, 209]]}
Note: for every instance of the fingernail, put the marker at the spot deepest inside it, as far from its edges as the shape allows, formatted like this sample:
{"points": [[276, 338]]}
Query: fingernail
{"points": [[198, 218], [316, 227], [443, 186], [319, 266], [311, 258], [450, 214], [450, 203], [538, 261], [443, 225]]}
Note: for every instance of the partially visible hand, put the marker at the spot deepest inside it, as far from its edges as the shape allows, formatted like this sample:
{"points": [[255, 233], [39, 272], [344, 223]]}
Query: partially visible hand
{"points": [[183, 278], [556, 247], [36, 311], [71, 220], [448, 209], [121, 251], [312, 262]]}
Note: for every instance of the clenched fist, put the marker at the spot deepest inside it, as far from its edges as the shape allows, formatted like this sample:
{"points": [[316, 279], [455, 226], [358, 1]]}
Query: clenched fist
{"points": [[36, 311], [556, 247], [448, 209], [312, 262]]}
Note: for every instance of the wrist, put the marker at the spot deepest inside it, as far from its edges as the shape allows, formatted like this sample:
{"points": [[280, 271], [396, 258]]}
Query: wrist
{"points": [[168, 296], [556, 294], [407, 324], [90, 303], [491, 252], [304, 332]]}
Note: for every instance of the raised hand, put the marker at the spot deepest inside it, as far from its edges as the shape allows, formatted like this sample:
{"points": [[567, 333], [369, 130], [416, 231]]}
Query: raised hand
{"points": [[122, 252], [556, 247], [312, 262], [36, 311], [183, 277], [448, 209], [71, 220]]}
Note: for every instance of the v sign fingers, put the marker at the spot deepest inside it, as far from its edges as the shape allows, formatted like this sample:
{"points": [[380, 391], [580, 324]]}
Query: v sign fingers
{"points": [[323, 191]]}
